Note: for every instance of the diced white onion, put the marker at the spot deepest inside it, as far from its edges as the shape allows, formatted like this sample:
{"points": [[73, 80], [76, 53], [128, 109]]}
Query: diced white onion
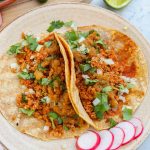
{"points": [[85, 76], [128, 79], [108, 61], [99, 71], [81, 39], [82, 48], [96, 101], [14, 66], [122, 98], [39, 47], [47, 99], [32, 57], [46, 128]]}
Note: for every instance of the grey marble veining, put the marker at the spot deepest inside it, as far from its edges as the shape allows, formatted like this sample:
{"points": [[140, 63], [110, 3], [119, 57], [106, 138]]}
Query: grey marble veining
{"points": [[138, 14]]}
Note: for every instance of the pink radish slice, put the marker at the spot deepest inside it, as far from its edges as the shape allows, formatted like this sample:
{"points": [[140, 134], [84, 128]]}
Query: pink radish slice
{"points": [[118, 137], [1, 19], [88, 141], [138, 126], [106, 140], [129, 131]]}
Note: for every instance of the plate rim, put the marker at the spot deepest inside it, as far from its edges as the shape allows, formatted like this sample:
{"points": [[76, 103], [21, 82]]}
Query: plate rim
{"points": [[92, 6]]}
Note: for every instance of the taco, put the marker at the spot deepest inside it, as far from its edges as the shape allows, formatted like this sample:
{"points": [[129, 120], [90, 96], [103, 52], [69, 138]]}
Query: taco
{"points": [[108, 74], [34, 93]]}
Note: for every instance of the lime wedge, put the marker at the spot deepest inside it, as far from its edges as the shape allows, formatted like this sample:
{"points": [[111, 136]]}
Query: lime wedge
{"points": [[117, 4]]}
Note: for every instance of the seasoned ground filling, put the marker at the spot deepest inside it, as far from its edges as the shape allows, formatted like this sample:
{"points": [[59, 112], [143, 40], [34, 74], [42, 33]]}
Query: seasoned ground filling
{"points": [[102, 65], [42, 76]]}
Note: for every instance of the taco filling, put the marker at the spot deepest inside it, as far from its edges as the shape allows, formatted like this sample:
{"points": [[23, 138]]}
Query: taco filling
{"points": [[41, 71], [107, 70]]}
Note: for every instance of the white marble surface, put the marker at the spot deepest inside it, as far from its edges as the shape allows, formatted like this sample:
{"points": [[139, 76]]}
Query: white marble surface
{"points": [[138, 14]]}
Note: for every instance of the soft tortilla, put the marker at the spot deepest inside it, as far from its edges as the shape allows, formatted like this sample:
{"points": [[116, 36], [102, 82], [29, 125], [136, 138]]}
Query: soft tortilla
{"points": [[142, 76], [10, 87]]}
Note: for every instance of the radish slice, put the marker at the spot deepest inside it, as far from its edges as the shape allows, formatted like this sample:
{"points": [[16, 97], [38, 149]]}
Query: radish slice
{"points": [[106, 140], [1, 20], [129, 131], [118, 137], [88, 141], [138, 126]]}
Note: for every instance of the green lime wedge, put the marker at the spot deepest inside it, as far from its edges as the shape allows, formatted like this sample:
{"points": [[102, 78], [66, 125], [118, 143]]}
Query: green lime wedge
{"points": [[117, 4]]}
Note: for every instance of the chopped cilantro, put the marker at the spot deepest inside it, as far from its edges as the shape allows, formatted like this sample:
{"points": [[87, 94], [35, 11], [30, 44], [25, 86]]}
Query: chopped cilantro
{"points": [[92, 70], [32, 42], [48, 44], [127, 113], [71, 35], [101, 42], [40, 68], [53, 115], [112, 122], [103, 106], [107, 89], [103, 97], [24, 99], [100, 109], [15, 49], [44, 81], [55, 25], [83, 34], [60, 121], [65, 128], [90, 82], [26, 75], [130, 85], [84, 67], [69, 24], [28, 112], [121, 87]]}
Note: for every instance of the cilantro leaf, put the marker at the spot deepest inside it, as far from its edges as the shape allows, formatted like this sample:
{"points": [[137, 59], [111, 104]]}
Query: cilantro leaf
{"points": [[26, 75], [107, 89], [90, 82], [15, 49], [100, 109], [44, 81], [48, 44], [53, 115], [65, 128], [103, 97], [84, 67], [60, 120], [112, 122], [24, 99], [71, 35], [130, 85], [69, 24], [32, 42], [55, 25], [28, 112], [127, 113], [40, 68], [101, 42]]}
